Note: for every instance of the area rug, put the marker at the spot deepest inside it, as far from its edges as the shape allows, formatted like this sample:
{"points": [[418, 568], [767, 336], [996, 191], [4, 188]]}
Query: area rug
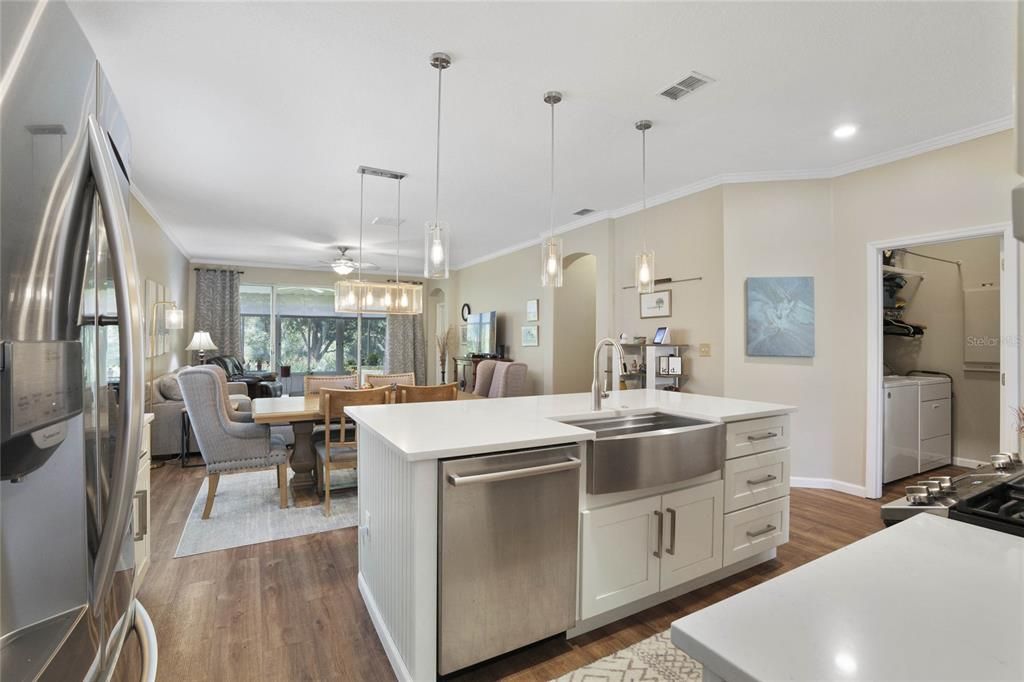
{"points": [[655, 659], [246, 512]]}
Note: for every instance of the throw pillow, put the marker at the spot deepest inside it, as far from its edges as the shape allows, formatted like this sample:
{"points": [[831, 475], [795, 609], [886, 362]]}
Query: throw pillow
{"points": [[169, 387]]}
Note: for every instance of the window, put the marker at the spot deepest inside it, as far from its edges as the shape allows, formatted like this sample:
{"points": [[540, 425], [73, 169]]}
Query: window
{"points": [[298, 327], [257, 308]]}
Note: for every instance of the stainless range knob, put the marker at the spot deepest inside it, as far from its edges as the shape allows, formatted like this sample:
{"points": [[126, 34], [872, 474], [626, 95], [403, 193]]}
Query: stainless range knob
{"points": [[945, 483], [918, 494], [1001, 461], [1014, 457], [933, 487]]}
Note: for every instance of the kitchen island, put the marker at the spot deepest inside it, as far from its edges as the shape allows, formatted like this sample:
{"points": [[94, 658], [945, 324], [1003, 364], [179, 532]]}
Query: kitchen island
{"points": [[635, 547], [928, 599]]}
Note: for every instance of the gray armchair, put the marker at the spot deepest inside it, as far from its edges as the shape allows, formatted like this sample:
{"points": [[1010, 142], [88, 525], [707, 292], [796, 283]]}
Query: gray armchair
{"points": [[228, 446]]}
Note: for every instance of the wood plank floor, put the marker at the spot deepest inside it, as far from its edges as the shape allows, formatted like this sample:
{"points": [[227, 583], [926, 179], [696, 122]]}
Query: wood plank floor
{"points": [[290, 609]]}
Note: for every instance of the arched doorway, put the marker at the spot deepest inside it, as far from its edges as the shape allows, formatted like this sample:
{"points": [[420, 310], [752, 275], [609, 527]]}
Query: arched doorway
{"points": [[436, 309], [575, 324]]}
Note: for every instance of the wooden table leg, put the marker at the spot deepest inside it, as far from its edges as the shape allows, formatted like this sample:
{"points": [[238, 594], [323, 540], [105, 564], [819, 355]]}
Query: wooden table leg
{"points": [[303, 463]]}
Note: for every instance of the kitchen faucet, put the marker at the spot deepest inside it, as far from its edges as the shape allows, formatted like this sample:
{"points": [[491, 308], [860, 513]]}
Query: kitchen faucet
{"points": [[596, 387]]}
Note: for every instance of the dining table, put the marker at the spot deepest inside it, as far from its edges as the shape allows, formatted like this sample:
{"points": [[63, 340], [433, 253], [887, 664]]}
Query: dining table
{"points": [[303, 413]]}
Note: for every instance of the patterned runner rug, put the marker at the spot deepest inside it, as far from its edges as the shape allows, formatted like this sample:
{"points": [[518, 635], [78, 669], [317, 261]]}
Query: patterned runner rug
{"points": [[655, 659]]}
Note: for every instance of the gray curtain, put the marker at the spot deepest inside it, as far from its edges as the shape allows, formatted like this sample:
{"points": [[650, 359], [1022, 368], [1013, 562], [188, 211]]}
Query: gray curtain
{"points": [[219, 311], [405, 349]]}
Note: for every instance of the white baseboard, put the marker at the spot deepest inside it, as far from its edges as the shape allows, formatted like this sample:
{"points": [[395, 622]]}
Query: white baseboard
{"points": [[397, 664], [969, 463], [827, 484]]}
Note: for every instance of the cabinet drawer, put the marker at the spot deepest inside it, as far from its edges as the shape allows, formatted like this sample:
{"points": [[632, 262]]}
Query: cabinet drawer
{"points": [[934, 391], [756, 479], [936, 452], [755, 529], [756, 435], [935, 418]]}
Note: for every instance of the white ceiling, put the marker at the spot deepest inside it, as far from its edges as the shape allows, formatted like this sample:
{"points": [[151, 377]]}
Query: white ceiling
{"points": [[249, 119]]}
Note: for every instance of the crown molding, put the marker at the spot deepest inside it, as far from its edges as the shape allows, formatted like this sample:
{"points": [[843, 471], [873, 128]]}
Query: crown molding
{"points": [[908, 151], [932, 144], [199, 262], [141, 198]]}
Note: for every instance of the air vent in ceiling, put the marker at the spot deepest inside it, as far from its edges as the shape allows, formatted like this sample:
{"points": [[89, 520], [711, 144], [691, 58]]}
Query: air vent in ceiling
{"points": [[583, 211], [687, 85]]}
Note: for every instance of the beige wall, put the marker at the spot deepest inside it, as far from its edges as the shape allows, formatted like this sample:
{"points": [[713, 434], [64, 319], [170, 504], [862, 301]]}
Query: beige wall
{"points": [[686, 236], [783, 229], [962, 186], [504, 285], [938, 304], [574, 319], [161, 261]]}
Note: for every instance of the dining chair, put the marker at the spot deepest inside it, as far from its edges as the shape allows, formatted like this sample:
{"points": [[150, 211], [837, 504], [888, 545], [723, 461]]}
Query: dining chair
{"points": [[228, 446], [426, 394], [482, 376], [341, 454], [378, 380], [311, 384]]}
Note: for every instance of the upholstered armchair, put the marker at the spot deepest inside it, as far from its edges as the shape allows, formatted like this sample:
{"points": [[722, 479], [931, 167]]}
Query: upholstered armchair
{"points": [[500, 379], [228, 446]]}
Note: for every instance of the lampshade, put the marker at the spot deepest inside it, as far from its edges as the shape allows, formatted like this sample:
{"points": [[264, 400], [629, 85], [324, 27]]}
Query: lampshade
{"points": [[201, 341], [174, 318], [343, 267]]}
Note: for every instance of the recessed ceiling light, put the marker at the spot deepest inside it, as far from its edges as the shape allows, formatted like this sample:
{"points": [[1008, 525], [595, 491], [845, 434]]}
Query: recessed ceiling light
{"points": [[844, 131]]}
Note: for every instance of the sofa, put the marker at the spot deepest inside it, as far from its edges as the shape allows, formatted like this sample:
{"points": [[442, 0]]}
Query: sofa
{"points": [[257, 384], [167, 404]]}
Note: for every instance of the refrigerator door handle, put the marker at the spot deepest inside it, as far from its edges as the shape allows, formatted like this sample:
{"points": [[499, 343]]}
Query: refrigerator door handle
{"points": [[130, 339]]}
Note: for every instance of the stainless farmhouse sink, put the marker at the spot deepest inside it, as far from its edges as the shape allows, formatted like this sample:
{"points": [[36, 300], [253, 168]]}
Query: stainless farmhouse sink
{"points": [[649, 449]]}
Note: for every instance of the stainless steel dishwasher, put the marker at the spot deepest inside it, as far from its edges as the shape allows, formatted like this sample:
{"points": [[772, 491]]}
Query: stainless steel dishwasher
{"points": [[508, 539]]}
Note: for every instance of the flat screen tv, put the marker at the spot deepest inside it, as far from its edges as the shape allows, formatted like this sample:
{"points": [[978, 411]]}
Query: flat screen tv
{"points": [[480, 334]]}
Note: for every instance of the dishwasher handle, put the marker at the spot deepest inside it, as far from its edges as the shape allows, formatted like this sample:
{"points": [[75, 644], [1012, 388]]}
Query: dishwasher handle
{"points": [[571, 463]]}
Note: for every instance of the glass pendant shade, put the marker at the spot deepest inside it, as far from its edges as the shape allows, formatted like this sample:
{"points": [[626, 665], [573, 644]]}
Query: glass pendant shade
{"points": [[348, 296], [406, 299], [435, 244], [551, 262], [174, 318], [645, 272]]}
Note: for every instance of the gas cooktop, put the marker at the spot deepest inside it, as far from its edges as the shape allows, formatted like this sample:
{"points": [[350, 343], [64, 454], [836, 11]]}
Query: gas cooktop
{"points": [[978, 494]]}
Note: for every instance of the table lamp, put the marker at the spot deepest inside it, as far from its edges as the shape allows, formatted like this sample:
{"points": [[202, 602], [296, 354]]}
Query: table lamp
{"points": [[201, 342]]}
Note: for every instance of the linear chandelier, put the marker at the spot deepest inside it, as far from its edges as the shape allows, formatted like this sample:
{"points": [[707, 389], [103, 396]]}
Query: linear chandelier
{"points": [[391, 298]]}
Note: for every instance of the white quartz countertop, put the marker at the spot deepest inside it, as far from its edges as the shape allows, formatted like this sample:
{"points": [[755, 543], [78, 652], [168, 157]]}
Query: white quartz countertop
{"points": [[927, 599], [465, 427]]}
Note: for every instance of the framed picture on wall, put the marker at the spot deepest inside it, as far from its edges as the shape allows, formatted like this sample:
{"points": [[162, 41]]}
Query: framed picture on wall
{"points": [[530, 335], [656, 304], [532, 310], [150, 299]]}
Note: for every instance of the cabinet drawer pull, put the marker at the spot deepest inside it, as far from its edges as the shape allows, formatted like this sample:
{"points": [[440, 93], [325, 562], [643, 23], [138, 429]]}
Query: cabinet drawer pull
{"points": [[763, 436], [758, 533], [671, 531], [763, 479], [661, 530]]}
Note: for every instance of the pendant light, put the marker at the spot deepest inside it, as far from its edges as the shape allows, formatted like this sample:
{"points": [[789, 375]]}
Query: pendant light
{"points": [[402, 298], [551, 247], [435, 238], [350, 295], [645, 257]]}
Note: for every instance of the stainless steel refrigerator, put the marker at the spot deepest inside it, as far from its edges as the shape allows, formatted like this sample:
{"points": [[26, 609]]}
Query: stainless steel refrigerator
{"points": [[71, 384]]}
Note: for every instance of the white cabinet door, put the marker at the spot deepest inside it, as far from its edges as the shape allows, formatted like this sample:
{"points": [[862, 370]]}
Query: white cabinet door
{"points": [[693, 533], [618, 563], [141, 511]]}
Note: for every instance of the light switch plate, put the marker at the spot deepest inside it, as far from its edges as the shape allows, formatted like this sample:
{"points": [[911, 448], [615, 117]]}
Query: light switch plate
{"points": [[705, 350]]}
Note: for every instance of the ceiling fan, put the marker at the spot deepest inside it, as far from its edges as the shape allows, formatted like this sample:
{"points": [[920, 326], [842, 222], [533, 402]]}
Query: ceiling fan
{"points": [[345, 264]]}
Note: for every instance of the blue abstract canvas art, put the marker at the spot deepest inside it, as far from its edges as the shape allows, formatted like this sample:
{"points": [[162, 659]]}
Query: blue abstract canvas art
{"points": [[780, 316]]}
